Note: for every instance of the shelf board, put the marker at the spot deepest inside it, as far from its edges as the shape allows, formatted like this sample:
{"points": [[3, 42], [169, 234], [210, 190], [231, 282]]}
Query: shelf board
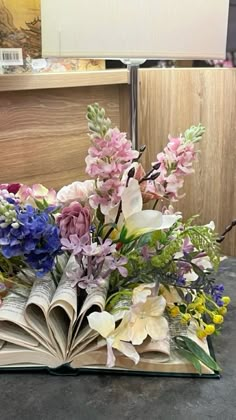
{"points": [[13, 82]]}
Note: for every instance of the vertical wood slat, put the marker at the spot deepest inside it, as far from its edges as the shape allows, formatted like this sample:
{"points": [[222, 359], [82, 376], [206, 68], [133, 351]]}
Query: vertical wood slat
{"points": [[170, 100], [43, 135]]}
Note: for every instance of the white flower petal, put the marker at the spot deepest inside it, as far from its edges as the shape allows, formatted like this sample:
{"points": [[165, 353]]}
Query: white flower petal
{"points": [[143, 222], [102, 322], [157, 328], [110, 355], [140, 293], [131, 197], [128, 350], [154, 306], [138, 331], [211, 225], [168, 220]]}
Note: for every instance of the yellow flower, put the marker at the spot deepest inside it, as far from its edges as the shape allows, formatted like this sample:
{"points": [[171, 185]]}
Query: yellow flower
{"points": [[226, 300], [218, 319], [174, 311], [201, 333], [222, 310], [185, 318], [201, 309], [209, 329]]}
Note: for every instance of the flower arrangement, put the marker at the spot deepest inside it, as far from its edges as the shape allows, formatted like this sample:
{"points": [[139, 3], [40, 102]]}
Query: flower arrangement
{"points": [[156, 268]]}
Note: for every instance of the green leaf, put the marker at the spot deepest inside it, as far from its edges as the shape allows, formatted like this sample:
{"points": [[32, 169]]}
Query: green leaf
{"points": [[191, 358], [100, 215], [199, 353], [39, 204]]}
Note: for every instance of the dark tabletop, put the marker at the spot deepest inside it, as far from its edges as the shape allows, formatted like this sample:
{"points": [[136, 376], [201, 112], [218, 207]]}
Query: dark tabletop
{"points": [[41, 396]]}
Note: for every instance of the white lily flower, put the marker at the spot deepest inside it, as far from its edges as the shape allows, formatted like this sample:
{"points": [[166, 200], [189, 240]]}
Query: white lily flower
{"points": [[138, 221], [104, 324]]}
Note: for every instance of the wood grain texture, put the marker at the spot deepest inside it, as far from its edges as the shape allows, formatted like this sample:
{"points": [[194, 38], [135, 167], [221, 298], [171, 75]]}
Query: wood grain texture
{"points": [[171, 100], [10, 82], [43, 136]]}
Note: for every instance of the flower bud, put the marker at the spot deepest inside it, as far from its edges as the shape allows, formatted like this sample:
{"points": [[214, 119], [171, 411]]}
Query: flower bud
{"points": [[225, 300], [201, 333], [209, 329], [174, 311], [218, 319], [222, 310]]}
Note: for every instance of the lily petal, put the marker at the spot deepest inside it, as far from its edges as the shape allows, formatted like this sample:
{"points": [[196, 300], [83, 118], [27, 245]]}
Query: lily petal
{"points": [[154, 306], [110, 355], [140, 293], [143, 222], [102, 322], [157, 328], [131, 197], [169, 219], [138, 332], [128, 350]]}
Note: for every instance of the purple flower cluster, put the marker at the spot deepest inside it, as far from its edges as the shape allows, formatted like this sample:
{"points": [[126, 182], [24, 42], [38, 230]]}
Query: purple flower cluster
{"points": [[217, 294], [32, 236], [95, 261]]}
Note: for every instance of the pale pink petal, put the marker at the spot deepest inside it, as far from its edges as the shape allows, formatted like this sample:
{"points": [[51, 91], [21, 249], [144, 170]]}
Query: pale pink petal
{"points": [[141, 292], [157, 328], [138, 331], [128, 350], [154, 306], [39, 190], [110, 355]]}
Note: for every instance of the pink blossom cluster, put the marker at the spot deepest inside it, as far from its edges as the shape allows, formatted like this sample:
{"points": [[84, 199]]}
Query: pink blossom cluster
{"points": [[8, 190], [108, 158], [176, 161]]}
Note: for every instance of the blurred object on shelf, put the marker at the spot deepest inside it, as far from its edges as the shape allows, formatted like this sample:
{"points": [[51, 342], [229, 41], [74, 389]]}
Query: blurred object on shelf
{"points": [[117, 64], [229, 62]]}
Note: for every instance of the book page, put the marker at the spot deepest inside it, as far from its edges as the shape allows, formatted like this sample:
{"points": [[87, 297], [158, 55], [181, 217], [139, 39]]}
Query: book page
{"points": [[13, 326], [96, 357], [37, 306], [97, 300], [62, 314], [12, 355]]}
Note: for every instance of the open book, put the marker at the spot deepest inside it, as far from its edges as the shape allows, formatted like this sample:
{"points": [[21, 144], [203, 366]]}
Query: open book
{"points": [[47, 327]]}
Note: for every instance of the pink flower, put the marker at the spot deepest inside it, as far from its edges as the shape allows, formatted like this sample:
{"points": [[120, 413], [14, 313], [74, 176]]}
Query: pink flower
{"points": [[108, 158], [175, 161], [7, 190], [38, 192], [74, 220], [77, 191]]}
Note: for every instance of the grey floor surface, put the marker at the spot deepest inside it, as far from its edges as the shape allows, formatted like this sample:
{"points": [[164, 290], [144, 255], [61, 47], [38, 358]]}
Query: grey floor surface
{"points": [[41, 396]]}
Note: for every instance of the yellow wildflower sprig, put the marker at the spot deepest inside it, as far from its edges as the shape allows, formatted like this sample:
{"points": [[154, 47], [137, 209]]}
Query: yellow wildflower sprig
{"points": [[197, 311]]}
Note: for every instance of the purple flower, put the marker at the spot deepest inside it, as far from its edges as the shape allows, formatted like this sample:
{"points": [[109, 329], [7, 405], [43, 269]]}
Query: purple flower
{"points": [[217, 293], [180, 281], [34, 237]]}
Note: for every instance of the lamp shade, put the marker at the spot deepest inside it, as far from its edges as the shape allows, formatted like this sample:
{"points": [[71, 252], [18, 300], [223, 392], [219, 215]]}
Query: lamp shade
{"points": [[142, 29]]}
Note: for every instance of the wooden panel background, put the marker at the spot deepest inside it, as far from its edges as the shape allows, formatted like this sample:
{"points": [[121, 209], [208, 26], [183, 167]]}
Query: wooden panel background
{"points": [[43, 134], [173, 99]]}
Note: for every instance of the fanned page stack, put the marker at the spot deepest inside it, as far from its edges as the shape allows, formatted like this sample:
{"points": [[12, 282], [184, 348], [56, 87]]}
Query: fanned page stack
{"points": [[47, 327]]}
